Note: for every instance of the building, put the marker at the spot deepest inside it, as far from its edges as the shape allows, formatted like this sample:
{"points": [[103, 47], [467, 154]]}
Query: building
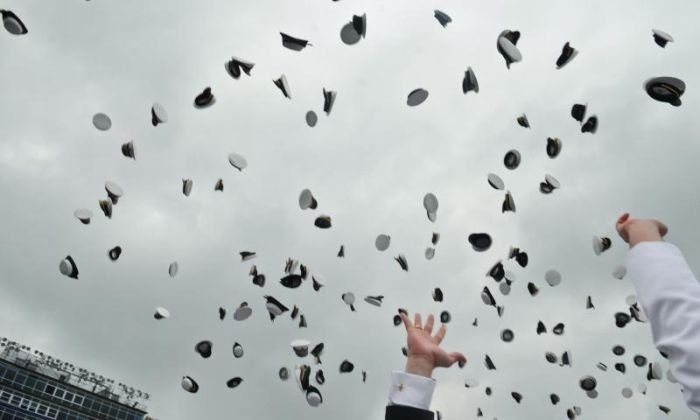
{"points": [[34, 385]]}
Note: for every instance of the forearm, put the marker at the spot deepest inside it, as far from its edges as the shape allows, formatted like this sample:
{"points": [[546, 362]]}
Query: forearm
{"points": [[670, 296], [637, 236]]}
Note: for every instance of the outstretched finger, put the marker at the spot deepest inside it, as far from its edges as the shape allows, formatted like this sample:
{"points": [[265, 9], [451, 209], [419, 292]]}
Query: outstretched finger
{"points": [[429, 324], [418, 323], [457, 357], [663, 229], [406, 322], [440, 335]]}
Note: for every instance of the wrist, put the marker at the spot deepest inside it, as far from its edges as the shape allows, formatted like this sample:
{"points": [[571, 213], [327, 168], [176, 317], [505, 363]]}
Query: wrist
{"points": [[420, 365], [643, 235]]}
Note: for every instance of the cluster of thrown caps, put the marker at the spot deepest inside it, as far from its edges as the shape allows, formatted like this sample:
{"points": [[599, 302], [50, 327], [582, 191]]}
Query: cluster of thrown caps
{"points": [[479, 241], [308, 201], [506, 46], [518, 397], [236, 160], [204, 348], [512, 160], [68, 266], [274, 307], [498, 273], [302, 373], [237, 66], [159, 115], [587, 383], [664, 89], [654, 372]]}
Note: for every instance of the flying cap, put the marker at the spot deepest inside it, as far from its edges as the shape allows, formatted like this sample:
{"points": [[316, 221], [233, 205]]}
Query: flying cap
{"points": [[204, 99], [506, 46], [401, 259], [243, 312], [128, 150], [283, 86], [661, 38], [237, 161], [512, 159], [189, 384], [204, 348], [328, 100], [470, 82], [84, 215], [161, 313], [307, 200], [12, 23], [523, 121], [235, 66], [480, 241], [666, 89], [417, 97], [187, 187], [553, 147], [67, 267], [158, 114], [567, 54], [292, 43], [443, 18], [311, 119]]}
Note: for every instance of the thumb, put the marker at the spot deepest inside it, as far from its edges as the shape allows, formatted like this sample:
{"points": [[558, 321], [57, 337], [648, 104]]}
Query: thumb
{"points": [[623, 218], [456, 357], [620, 225], [663, 229], [621, 221]]}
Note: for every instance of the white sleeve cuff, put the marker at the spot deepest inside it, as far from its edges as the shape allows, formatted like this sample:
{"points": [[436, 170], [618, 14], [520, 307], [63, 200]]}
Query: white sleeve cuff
{"points": [[411, 390]]}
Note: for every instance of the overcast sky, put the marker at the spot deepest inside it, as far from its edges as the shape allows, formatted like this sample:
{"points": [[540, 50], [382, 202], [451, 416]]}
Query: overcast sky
{"points": [[369, 164]]}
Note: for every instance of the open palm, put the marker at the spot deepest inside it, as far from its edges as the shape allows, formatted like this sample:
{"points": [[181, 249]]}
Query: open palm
{"points": [[425, 346]]}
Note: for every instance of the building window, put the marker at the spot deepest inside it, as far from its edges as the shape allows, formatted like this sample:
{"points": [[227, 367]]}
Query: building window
{"points": [[20, 378], [40, 385], [42, 409], [10, 374], [78, 400], [69, 396], [50, 389], [58, 393], [15, 400], [31, 381]]}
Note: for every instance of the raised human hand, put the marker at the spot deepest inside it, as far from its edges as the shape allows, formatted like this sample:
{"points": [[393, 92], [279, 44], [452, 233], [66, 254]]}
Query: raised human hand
{"points": [[424, 351], [634, 231]]}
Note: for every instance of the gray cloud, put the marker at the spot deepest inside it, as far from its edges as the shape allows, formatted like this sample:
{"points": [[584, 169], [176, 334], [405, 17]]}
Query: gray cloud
{"points": [[369, 164]]}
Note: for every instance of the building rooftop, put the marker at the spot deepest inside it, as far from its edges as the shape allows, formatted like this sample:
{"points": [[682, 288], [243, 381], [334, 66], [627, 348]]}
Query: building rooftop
{"points": [[44, 364]]}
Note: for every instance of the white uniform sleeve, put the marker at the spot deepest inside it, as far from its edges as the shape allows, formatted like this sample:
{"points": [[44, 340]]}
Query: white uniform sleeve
{"points": [[670, 296], [411, 390]]}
